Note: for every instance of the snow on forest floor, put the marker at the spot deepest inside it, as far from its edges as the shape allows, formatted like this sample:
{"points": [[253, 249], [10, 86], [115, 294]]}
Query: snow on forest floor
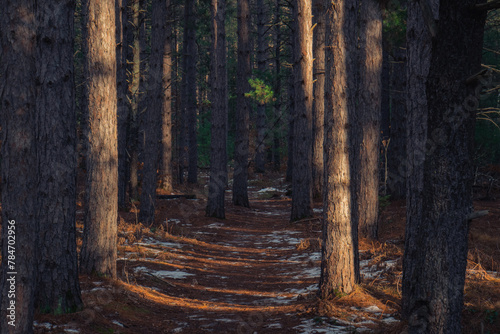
{"points": [[253, 272]]}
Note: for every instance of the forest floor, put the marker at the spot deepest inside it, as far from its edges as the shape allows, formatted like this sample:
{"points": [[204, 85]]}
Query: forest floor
{"points": [[255, 272]]}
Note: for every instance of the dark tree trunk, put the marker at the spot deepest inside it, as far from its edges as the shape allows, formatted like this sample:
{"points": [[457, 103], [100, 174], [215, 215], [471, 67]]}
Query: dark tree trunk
{"points": [[260, 158], [98, 254], [153, 114], [369, 115], [302, 148], [19, 165], [396, 154], [134, 79], [189, 87], [277, 90], [166, 151], [291, 121], [122, 28], [218, 155], [58, 289], [240, 183], [385, 117], [319, 97], [340, 259], [440, 150]]}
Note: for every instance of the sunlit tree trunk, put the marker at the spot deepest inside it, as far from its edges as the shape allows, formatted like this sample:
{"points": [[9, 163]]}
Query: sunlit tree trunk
{"points": [[319, 96], [166, 151], [98, 254], [303, 84], [134, 80], [441, 114], [218, 154], [370, 99], [241, 150], [19, 163], [339, 258], [58, 289]]}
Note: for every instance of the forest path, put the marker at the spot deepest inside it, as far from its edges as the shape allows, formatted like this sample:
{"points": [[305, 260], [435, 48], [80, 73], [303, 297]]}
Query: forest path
{"points": [[253, 272]]}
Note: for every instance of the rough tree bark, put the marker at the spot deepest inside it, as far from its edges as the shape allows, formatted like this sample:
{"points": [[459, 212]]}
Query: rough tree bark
{"points": [[153, 114], [241, 151], [58, 289], [339, 255], [190, 57], [122, 27], [396, 155], [134, 80], [218, 155], [260, 158], [98, 254], [302, 148], [319, 97], [370, 100], [277, 90], [19, 181], [166, 152], [440, 150]]}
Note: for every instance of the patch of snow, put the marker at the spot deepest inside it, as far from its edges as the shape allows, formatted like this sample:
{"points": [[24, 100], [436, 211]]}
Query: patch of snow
{"points": [[150, 241], [373, 309], [309, 273], [269, 189], [177, 274], [43, 324], [173, 220], [69, 330], [374, 271], [274, 326], [116, 322], [311, 326], [318, 210], [309, 289], [390, 320], [215, 225]]}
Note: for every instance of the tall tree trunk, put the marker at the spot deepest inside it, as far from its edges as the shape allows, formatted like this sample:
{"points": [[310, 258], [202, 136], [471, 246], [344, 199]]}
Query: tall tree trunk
{"points": [[98, 254], [339, 258], [302, 148], [277, 90], [58, 289], [441, 114], [319, 97], [122, 28], [260, 158], [291, 121], [166, 152], [153, 114], [218, 155], [134, 96], [369, 115], [397, 148], [19, 161], [190, 59], [240, 183]]}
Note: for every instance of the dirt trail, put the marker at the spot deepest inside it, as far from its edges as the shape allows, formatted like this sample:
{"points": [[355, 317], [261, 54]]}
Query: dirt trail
{"points": [[253, 272]]}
